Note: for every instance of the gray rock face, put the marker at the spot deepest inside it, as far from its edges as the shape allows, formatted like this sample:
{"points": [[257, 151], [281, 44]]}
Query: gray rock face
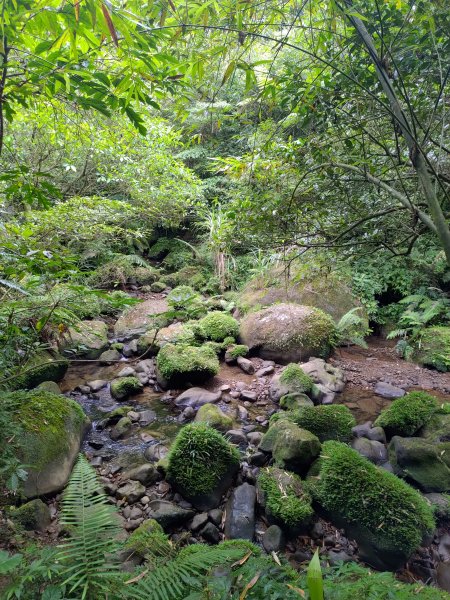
{"points": [[273, 539], [386, 390], [196, 397], [168, 514], [374, 451], [240, 519]]}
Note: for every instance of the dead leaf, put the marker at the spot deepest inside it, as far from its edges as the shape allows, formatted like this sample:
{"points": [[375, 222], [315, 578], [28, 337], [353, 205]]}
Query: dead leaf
{"points": [[249, 585], [243, 560]]}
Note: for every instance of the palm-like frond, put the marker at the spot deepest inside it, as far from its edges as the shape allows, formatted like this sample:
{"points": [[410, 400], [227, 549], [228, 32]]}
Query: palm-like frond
{"points": [[182, 576], [13, 286], [92, 523]]}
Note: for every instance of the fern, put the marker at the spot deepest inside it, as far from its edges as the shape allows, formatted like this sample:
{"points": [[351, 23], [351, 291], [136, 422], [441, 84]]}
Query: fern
{"points": [[351, 328], [13, 286], [91, 520], [187, 573]]}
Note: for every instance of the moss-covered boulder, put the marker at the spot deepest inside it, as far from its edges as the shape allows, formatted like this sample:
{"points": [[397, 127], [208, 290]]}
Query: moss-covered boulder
{"points": [[388, 518], [284, 499], [234, 352], [88, 339], [214, 417], [43, 366], [327, 422], [269, 438], [433, 349], [33, 515], [291, 380], [295, 449], [406, 415], [51, 429], [289, 333], [295, 401], [421, 461], [123, 387], [180, 364], [150, 542], [50, 386], [135, 321], [202, 465], [219, 325]]}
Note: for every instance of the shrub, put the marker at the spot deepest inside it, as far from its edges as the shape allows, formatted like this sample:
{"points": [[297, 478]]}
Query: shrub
{"points": [[180, 363], [327, 422], [294, 378], [407, 414], [218, 325], [199, 460], [286, 501], [354, 489]]}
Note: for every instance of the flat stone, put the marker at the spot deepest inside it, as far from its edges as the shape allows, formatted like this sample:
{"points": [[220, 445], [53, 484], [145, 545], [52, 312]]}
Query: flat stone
{"points": [[97, 384], [131, 492], [249, 395], [386, 390], [168, 514], [237, 437], [264, 371], [126, 372], [240, 519], [133, 415], [246, 365], [108, 357], [211, 534], [196, 397], [146, 474], [198, 521], [146, 417], [338, 556]]}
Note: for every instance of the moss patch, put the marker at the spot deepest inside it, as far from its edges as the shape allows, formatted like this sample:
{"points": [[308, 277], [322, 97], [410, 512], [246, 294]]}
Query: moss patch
{"points": [[125, 386], [214, 417], [182, 363], [41, 367], [434, 348], [219, 325], [408, 414], [238, 350], [294, 378], [149, 541], [327, 422]]}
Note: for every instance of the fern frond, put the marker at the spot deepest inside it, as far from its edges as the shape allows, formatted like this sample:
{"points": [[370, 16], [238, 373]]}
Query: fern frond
{"points": [[92, 523], [176, 579], [395, 333], [13, 286]]}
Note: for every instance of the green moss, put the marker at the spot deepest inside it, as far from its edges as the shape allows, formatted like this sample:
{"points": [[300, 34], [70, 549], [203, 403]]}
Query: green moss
{"points": [[238, 350], [50, 386], [199, 459], [296, 379], [157, 287], [214, 417], [182, 297], [42, 418], [327, 422], [117, 346], [125, 386], [33, 515], [219, 325], [350, 486], [163, 246], [434, 348], [181, 363], [295, 401], [41, 367], [408, 414], [149, 539], [286, 501]]}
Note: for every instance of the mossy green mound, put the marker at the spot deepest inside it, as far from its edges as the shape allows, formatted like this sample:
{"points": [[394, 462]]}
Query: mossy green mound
{"points": [[123, 387], [214, 417], [406, 415], [33, 515], [387, 517], [327, 422], [201, 465], [289, 333], [237, 350], [219, 325], [51, 429], [184, 299], [294, 378], [284, 498], [434, 348], [150, 542], [41, 367], [180, 364]]}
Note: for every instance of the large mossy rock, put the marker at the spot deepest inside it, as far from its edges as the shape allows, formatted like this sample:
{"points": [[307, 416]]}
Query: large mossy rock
{"points": [[388, 518], [406, 415], [138, 319], [202, 465], [289, 333], [329, 292], [43, 366], [291, 380], [214, 417], [295, 449], [180, 364], [327, 422], [434, 348], [284, 499], [421, 461], [51, 430], [88, 339]]}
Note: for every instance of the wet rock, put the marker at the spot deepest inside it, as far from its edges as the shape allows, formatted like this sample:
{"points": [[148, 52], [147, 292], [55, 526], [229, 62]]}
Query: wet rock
{"points": [[211, 534], [146, 417], [196, 397], [198, 521], [386, 390], [362, 430], [443, 575], [126, 372], [249, 395], [258, 459], [131, 492], [146, 474], [96, 442], [330, 379], [374, 451], [108, 357], [168, 514], [97, 385], [246, 365], [240, 513], [237, 437], [264, 371], [254, 437], [273, 539], [242, 413], [215, 516], [338, 556], [156, 452], [377, 435], [214, 417], [129, 349], [121, 429]]}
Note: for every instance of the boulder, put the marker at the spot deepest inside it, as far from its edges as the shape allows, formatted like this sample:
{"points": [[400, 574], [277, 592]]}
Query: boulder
{"points": [[168, 514], [33, 516], [43, 366], [386, 390], [295, 449], [109, 357], [210, 533], [330, 378], [88, 340], [136, 320], [131, 492], [433, 351], [123, 387], [50, 386], [197, 397], [374, 451], [214, 417], [121, 429], [427, 464], [51, 429], [246, 365], [406, 415], [240, 513], [288, 333], [295, 401], [291, 380], [183, 365]]}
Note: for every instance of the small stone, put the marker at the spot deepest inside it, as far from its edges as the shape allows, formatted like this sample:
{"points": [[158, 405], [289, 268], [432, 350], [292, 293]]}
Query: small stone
{"points": [[225, 388], [237, 437], [258, 459], [265, 371], [210, 533], [143, 378], [254, 437], [131, 492], [215, 516], [96, 461], [338, 556], [386, 390], [240, 513], [146, 474], [135, 513], [246, 365], [133, 416], [362, 430], [242, 413], [84, 389], [374, 451], [146, 417], [198, 521], [108, 357], [443, 575], [249, 395], [156, 452], [317, 530], [126, 372], [121, 429], [97, 385], [235, 395], [188, 413], [377, 435], [169, 514], [273, 539], [96, 443]]}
